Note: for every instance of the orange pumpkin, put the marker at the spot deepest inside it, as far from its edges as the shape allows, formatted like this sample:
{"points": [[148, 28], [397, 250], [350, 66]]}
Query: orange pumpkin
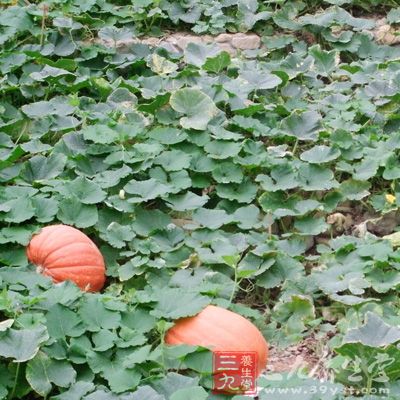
{"points": [[65, 253], [220, 330]]}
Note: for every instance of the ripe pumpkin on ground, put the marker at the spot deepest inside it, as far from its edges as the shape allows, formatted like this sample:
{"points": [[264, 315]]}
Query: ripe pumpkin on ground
{"points": [[65, 253], [220, 330]]}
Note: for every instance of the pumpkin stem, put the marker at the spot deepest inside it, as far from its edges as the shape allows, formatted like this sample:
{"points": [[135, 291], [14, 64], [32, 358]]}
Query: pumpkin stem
{"points": [[39, 269]]}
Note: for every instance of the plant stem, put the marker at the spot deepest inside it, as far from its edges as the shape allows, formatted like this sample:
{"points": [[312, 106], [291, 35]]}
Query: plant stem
{"points": [[15, 382], [43, 27], [235, 285], [295, 147], [369, 384]]}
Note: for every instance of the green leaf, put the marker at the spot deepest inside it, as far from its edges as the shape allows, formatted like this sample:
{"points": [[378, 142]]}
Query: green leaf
{"points": [[176, 303], [117, 235], [211, 219], [375, 332], [354, 190], [284, 175], [247, 217], [392, 168], [311, 225], [197, 106], [304, 126], [22, 345], [315, 177], [393, 16], [59, 106], [218, 63], [221, 149], [112, 178], [293, 315], [62, 322], [172, 382], [194, 393], [187, 201], [168, 135], [284, 268], [260, 79], [76, 391], [88, 192], [17, 234], [325, 61], [320, 154], [198, 53], [42, 371], [104, 340], [45, 209], [138, 356], [101, 134], [174, 160], [149, 221], [113, 34], [227, 172], [121, 380], [122, 98], [383, 282], [73, 212], [96, 316], [145, 190], [243, 193], [146, 392], [49, 72], [19, 210], [41, 168]]}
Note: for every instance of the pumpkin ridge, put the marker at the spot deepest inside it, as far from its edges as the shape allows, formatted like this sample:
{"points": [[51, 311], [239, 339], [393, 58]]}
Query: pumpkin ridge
{"points": [[53, 256], [75, 266], [37, 241], [67, 240], [88, 271], [220, 330], [56, 247]]}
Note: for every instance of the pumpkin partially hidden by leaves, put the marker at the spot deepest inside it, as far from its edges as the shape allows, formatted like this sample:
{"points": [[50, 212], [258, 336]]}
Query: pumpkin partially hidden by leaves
{"points": [[220, 330], [65, 253]]}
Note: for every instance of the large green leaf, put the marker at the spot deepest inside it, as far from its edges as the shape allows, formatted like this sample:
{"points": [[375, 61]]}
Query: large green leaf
{"points": [[100, 134], [375, 332], [42, 372], [73, 212], [88, 192], [176, 303], [62, 322], [22, 345], [41, 168], [197, 107], [303, 126], [96, 316]]}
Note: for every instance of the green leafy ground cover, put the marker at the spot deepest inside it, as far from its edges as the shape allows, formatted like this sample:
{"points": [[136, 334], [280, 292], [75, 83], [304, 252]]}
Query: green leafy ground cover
{"points": [[203, 178]]}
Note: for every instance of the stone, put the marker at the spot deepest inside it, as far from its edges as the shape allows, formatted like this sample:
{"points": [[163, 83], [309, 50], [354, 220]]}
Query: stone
{"points": [[243, 41], [228, 48], [223, 38], [152, 41], [183, 41]]}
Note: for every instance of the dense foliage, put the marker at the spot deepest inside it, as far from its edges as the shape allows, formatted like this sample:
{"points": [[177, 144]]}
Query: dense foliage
{"points": [[249, 182]]}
